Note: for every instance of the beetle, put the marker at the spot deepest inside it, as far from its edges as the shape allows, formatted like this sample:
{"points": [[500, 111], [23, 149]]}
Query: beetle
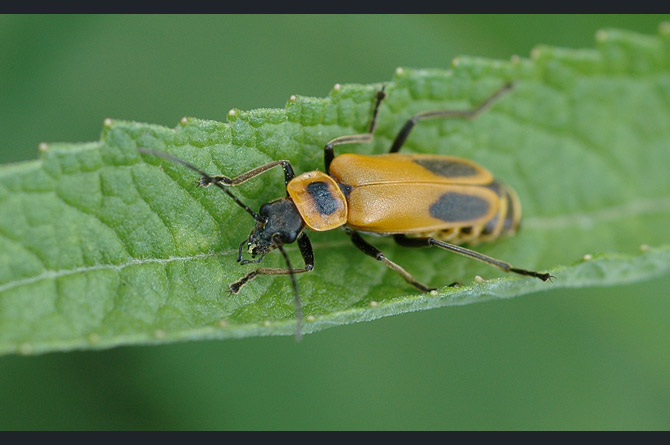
{"points": [[421, 200]]}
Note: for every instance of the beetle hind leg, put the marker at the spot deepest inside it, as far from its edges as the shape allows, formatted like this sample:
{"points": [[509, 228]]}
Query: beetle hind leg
{"points": [[377, 254], [470, 113], [506, 267]]}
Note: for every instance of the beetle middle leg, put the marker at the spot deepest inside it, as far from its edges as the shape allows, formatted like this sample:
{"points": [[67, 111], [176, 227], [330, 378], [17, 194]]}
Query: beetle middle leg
{"points": [[466, 114], [363, 138], [502, 265], [377, 254]]}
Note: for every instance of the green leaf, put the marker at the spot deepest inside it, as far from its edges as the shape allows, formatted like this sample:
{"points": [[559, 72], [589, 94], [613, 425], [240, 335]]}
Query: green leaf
{"points": [[100, 246]]}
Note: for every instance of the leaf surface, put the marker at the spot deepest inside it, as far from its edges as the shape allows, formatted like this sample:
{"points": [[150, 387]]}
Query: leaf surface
{"points": [[101, 246]]}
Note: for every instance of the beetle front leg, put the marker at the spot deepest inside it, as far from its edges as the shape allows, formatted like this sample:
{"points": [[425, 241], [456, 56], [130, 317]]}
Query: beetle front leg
{"points": [[223, 182], [307, 253], [206, 180]]}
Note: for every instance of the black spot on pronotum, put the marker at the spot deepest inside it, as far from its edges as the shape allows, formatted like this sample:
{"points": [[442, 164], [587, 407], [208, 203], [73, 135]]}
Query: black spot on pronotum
{"points": [[323, 200], [447, 168], [456, 207]]}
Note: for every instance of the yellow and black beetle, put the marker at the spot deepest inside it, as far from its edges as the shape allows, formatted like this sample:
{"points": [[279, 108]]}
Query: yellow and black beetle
{"points": [[422, 200]]}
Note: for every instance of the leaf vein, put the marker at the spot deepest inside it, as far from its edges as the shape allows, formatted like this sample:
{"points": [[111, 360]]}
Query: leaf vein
{"points": [[53, 274]]}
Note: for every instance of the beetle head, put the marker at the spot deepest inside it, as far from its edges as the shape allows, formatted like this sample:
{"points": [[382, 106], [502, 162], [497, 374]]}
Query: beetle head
{"points": [[280, 224]]}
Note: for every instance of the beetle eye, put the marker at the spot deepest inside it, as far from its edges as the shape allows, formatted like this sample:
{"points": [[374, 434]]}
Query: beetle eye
{"points": [[264, 210]]}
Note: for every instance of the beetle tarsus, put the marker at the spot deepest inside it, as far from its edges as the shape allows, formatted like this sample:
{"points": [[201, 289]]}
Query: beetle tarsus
{"points": [[531, 273]]}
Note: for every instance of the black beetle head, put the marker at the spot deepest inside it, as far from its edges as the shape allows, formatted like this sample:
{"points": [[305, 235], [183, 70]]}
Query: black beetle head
{"points": [[281, 223]]}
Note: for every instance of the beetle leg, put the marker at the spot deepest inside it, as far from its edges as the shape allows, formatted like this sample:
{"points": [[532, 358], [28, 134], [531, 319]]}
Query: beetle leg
{"points": [[377, 254], [466, 114], [206, 180], [506, 267], [307, 255], [224, 181], [364, 138]]}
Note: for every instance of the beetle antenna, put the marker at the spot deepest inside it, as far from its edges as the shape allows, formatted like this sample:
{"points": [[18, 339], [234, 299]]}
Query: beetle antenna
{"points": [[294, 283], [210, 179], [169, 157]]}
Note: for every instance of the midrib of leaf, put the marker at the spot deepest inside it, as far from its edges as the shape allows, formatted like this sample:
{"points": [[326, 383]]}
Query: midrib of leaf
{"points": [[53, 274], [186, 288], [631, 209]]}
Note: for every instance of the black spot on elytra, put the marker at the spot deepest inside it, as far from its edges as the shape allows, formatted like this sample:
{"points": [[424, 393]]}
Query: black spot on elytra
{"points": [[323, 200], [455, 207], [346, 189], [490, 226], [508, 224], [447, 168], [496, 187], [493, 222]]}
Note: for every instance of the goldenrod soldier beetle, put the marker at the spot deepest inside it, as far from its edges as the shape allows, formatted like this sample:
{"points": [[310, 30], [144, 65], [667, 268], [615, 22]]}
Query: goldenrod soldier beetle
{"points": [[421, 200]]}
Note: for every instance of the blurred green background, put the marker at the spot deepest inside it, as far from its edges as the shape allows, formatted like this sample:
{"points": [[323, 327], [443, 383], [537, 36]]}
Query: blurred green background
{"points": [[566, 359]]}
